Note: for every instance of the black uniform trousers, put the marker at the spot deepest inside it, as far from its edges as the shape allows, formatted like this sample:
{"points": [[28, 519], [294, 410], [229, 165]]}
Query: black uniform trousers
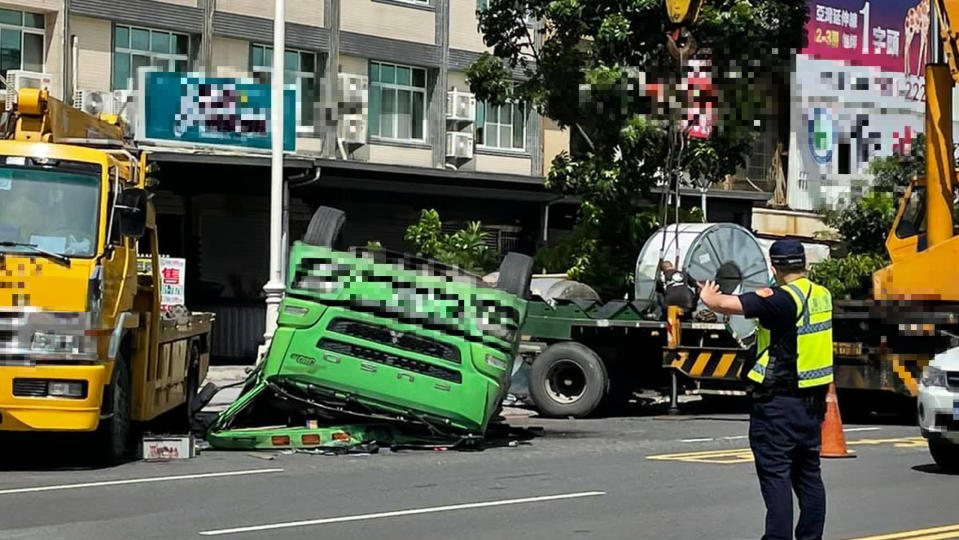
{"points": [[785, 437]]}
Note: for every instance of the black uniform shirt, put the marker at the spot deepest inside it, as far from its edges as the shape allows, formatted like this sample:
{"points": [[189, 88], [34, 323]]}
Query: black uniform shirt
{"points": [[776, 311]]}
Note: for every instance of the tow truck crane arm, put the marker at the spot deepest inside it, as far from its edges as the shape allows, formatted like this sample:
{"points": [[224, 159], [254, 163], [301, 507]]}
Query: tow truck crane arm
{"points": [[924, 262]]}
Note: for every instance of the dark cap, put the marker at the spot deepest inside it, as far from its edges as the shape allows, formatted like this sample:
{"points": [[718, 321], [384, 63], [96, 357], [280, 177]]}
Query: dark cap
{"points": [[787, 252]]}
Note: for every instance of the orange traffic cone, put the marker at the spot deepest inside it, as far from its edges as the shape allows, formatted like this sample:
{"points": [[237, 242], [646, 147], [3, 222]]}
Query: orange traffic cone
{"points": [[833, 439]]}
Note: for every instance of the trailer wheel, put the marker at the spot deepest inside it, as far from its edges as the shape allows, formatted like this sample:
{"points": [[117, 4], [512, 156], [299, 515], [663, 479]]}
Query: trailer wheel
{"points": [[325, 226], [515, 273], [113, 435], [946, 454], [568, 379]]}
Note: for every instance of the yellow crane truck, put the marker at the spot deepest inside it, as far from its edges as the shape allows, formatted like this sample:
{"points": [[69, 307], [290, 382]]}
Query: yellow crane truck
{"points": [[84, 343]]}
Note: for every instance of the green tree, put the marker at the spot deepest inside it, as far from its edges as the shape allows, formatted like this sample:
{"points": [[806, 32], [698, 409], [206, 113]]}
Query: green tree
{"points": [[465, 248], [587, 65]]}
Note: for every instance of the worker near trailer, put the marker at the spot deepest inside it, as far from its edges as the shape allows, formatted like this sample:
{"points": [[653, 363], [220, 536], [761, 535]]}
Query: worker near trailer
{"points": [[790, 380]]}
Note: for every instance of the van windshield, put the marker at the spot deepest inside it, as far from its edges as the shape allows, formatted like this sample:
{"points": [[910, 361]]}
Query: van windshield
{"points": [[53, 205]]}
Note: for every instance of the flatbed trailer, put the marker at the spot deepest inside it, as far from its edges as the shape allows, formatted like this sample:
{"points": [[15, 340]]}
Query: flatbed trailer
{"points": [[878, 347]]}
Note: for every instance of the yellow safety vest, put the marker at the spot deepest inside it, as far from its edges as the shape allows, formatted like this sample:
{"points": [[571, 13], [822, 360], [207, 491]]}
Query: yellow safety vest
{"points": [[813, 336]]}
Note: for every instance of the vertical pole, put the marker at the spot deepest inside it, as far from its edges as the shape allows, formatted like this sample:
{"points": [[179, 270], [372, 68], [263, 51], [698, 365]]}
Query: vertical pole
{"points": [[674, 393], [274, 287]]}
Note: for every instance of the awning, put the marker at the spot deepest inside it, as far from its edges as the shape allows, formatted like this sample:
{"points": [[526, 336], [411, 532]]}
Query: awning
{"points": [[365, 176], [245, 159]]}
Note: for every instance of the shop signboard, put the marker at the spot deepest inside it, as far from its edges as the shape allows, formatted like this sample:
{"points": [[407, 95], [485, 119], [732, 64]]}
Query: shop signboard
{"points": [[195, 109], [857, 93]]}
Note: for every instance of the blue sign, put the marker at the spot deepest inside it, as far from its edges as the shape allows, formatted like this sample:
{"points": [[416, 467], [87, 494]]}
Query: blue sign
{"points": [[196, 109]]}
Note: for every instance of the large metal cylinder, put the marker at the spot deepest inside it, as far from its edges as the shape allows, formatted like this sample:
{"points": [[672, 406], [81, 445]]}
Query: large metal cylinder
{"points": [[722, 252]]}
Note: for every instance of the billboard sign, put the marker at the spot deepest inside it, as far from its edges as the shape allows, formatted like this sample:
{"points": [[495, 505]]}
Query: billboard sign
{"points": [[858, 93], [194, 109]]}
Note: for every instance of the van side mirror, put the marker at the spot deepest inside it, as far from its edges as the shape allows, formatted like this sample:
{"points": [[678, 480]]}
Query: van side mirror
{"points": [[131, 208]]}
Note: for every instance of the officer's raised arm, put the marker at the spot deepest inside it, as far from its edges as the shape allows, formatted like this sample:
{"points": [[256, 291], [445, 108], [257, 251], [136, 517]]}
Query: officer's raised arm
{"points": [[727, 304]]}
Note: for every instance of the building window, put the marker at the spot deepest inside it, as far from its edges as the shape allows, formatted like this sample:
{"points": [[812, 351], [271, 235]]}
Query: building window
{"points": [[299, 69], [416, 2], [397, 102], [134, 48], [21, 41], [501, 126]]}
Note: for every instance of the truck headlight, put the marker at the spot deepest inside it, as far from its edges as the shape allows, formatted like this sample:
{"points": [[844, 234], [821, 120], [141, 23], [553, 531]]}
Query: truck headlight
{"points": [[933, 376], [54, 342], [69, 389]]}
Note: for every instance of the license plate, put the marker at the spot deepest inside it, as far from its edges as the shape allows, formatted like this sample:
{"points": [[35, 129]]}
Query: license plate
{"points": [[847, 349]]}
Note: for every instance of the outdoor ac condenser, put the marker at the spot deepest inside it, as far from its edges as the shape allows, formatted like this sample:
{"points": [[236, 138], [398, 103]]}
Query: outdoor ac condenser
{"points": [[18, 79], [459, 145]]}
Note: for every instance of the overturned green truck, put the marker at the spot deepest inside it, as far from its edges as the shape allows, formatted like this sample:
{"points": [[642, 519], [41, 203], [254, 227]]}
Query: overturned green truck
{"points": [[373, 346]]}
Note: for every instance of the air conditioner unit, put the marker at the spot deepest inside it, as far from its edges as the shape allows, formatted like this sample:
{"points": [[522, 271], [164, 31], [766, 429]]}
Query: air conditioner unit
{"points": [[18, 79], [460, 106], [354, 89], [93, 101], [459, 145], [352, 128]]}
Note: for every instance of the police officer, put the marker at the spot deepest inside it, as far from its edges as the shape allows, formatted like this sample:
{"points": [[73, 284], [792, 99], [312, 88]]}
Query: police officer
{"points": [[790, 379]]}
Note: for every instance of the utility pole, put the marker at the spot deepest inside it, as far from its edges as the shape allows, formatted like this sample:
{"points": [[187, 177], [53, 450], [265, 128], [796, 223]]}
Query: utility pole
{"points": [[275, 286]]}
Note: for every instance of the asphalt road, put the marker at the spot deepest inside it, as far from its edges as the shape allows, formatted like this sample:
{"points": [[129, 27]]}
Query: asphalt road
{"points": [[630, 477]]}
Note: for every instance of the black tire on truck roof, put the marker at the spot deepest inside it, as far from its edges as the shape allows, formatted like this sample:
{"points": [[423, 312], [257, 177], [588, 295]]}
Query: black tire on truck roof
{"points": [[515, 273], [547, 382], [325, 227]]}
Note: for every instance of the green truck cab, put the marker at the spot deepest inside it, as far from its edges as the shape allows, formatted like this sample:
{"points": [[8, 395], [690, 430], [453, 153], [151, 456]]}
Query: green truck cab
{"points": [[382, 342]]}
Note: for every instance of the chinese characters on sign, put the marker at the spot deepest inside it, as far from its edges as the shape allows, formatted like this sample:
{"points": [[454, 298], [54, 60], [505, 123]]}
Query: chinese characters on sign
{"points": [[172, 279], [862, 32]]}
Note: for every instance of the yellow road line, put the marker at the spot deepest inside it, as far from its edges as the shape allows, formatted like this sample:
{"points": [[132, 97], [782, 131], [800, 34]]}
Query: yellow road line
{"points": [[731, 456], [934, 533]]}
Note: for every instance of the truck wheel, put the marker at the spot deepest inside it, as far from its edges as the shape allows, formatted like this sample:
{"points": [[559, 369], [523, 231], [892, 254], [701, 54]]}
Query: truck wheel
{"points": [[567, 379], [514, 274], [113, 435], [184, 413], [946, 454], [325, 226]]}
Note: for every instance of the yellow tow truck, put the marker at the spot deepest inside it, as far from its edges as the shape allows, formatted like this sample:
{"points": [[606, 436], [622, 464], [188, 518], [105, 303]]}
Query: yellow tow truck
{"points": [[84, 343]]}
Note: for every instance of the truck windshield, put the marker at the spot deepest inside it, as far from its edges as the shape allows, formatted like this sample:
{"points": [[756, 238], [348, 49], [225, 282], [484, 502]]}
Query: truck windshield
{"points": [[53, 205]]}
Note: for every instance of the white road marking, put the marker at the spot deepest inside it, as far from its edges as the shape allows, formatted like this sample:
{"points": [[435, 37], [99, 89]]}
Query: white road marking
{"points": [[397, 513], [735, 437], [137, 481], [853, 429], [708, 439]]}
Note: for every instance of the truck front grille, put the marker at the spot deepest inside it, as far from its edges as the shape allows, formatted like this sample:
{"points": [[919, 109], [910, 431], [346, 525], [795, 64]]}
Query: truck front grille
{"points": [[30, 387], [399, 340], [392, 360], [952, 377]]}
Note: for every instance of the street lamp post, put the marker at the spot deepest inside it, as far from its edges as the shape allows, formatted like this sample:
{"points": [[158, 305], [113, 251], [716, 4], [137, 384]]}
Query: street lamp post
{"points": [[275, 286]]}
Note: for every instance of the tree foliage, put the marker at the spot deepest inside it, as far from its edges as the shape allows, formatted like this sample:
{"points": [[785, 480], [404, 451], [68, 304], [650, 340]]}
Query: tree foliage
{"points": [[589, 65], [850, 276], [864, 224], [465, 248]]}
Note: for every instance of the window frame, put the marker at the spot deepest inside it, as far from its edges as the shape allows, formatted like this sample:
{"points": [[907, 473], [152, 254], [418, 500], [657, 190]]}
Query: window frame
{"points": [[485, 135], [171, 58], [24, 30], [424, 90], [298, 73]]}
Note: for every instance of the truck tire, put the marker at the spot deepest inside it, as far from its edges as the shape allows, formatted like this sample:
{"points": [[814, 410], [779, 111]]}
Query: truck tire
{"points": [[945, 454], [515, 273], [325, 226], [113, 435], [183, 415], [568, 379]]}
